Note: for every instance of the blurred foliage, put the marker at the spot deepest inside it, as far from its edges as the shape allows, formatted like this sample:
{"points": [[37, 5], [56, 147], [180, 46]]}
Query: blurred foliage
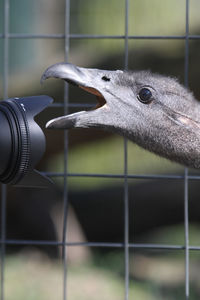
{"points": [[35, 277], [88, 17], [153, 275], [107, 157]]}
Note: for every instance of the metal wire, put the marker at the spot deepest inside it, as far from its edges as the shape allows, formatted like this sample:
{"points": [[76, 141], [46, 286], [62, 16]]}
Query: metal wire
{"points": [[118, 176], [126, 198], [66, 99], [185, 178], [99, 244], [3, 187], [186, 213], [99, 36]]}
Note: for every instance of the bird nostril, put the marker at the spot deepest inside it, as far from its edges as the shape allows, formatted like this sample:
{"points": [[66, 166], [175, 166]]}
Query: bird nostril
{"points": [[105, 78]]}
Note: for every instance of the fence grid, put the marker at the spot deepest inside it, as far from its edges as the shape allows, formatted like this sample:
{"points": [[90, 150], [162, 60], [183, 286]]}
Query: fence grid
{"points": [[67, 37]]}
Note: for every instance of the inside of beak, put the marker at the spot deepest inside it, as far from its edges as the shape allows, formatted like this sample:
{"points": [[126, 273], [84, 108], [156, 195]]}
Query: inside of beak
{"points": [[100, 98]]}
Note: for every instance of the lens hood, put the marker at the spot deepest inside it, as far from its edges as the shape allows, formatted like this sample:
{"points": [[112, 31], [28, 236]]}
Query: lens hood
{"points": [[22, 141]]}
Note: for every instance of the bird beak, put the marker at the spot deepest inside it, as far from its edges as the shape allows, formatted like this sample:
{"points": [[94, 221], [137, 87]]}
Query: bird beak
{"points": [[93, 81]]}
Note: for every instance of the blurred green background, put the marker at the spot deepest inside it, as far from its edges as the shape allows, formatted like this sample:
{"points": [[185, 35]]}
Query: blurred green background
{"points": [[96, 208]]}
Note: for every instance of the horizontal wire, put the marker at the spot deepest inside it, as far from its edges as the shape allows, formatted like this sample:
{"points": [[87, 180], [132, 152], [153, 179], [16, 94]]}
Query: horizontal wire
{"points": [[96, 36], [119, 176], [60, 104], [98, 244]]}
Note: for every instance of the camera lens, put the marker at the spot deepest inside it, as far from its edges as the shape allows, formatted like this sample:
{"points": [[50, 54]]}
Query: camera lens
{"points": [[22, 141], [5, 135]]}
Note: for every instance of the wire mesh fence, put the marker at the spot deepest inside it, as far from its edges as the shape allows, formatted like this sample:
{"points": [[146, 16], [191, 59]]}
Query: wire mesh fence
{"points": [[126, 245]]}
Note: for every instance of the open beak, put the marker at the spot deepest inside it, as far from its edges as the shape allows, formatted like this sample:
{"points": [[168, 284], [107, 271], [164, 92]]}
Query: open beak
{"points": [[92, 80]]}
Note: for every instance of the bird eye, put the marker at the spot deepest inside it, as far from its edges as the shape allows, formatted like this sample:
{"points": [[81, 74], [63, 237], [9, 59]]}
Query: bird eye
{"points": [[145, 95]]}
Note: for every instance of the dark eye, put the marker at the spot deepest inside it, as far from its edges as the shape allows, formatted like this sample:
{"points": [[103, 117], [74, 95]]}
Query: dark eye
{"points": [[145, 95]]}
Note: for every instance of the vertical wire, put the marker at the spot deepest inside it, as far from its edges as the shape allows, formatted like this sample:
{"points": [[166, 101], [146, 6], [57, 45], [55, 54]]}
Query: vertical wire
{"points": [[186, 212], [6, 48], [126, 33], [3, 237], [186, 234], [186, 63], [65, 193], [126, 199], [3, 187]]}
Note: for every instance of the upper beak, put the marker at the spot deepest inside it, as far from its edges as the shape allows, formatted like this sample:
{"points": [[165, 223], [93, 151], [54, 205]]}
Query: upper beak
{"points": [[68, 72], [88, 79]]}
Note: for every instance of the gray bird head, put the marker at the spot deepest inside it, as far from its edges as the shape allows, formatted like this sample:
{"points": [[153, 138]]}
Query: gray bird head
{"points": [[153, 111]]}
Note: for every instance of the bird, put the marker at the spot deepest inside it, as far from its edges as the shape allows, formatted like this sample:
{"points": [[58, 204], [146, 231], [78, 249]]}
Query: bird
{"points": [[152, 110]]}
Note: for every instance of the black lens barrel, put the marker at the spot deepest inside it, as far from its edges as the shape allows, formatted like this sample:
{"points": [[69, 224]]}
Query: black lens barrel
{"points": [[22, 140]]}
